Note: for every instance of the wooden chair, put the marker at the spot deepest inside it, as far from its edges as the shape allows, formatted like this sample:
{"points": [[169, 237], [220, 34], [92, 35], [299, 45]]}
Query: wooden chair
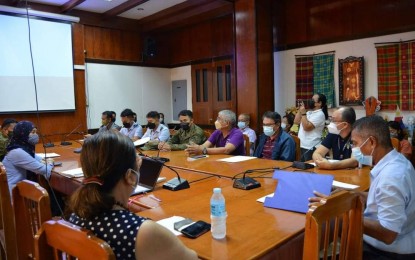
{"points": [[207, 134], [396, 144], [341, 214], [297, 147], [31, 209], [58, 238], [247, 145], [7, 228]]}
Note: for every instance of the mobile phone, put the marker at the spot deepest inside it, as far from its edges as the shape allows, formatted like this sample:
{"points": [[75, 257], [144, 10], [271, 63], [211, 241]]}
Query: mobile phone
{"points": [[196, 229], [57, 163]]}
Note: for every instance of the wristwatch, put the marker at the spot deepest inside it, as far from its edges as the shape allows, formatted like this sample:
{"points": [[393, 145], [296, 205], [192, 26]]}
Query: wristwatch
{"points": [[204, 152]]}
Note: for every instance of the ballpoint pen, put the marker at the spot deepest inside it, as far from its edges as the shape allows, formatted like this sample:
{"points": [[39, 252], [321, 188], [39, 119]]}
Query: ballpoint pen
{"points": [[151, 196]]}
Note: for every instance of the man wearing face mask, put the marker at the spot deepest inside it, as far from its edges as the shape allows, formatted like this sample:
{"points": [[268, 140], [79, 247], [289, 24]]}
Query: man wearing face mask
{"points": [[5, 135], [275, 143], [187, 134], [21, 159], [156, 131], [338, 141], [226, 139], [130, 128], [243, 124]]}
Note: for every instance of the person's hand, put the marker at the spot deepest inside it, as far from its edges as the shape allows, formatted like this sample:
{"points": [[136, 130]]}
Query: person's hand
{"points": [[193, 149], [301, 108], [319, 199], [87, 135], [323, 163], [163, 146]]}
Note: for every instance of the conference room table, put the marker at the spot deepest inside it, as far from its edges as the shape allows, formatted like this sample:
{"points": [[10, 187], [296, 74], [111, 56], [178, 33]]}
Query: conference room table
{"points": [[253, 231]]}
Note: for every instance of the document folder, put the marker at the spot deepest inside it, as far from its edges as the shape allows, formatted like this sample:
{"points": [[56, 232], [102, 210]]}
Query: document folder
{"points": [[294, 189]]}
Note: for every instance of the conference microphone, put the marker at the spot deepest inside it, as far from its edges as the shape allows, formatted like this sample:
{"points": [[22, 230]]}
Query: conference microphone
{"points": [[158, 158], [177, 183], [64, 142], [49, 144], [247, 183]]}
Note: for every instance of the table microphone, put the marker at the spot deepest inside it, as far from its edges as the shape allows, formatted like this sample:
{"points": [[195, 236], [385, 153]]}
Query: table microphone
{"points": [[177, 183], [158, 158], [64, 142], [49, 144], [247, 183]]}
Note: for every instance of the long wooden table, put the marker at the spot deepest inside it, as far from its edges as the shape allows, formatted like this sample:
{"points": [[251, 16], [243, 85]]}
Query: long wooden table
{"points": [[253, 231]]}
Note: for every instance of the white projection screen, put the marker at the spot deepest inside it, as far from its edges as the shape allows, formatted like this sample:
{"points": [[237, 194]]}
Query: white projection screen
{"points": [[51, 44]]}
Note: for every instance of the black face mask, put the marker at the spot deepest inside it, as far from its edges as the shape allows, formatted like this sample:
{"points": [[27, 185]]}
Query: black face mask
{"points": [[311, 104], [185, 126], [151, 126], [126, 125]]}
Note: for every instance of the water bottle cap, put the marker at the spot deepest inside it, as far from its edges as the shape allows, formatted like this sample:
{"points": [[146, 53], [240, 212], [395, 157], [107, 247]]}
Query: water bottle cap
{"points": [[217, 190]]}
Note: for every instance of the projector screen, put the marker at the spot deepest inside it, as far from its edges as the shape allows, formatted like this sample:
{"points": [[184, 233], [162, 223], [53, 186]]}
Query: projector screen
{"points": [[51, 44]]}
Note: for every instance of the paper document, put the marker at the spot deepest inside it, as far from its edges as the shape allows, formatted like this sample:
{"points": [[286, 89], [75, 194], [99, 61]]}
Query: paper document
{"points": [[73, 173], [141, 141], [330, 160], [238, 158], [47, 155], [262, 199], [343, 185], [169, 223]]}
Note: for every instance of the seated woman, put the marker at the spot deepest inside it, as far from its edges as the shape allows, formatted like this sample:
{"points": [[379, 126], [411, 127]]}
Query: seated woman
{"points": [[20, 160], [397, 132], [110, 166], [287, 122]]}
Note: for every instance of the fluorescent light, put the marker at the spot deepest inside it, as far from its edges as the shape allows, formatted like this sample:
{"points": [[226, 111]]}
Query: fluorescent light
{"points": [[14, 10]]}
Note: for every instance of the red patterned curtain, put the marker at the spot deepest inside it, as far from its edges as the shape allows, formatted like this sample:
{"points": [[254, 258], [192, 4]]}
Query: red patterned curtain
{"points": [[396, 75], [304, 77]]}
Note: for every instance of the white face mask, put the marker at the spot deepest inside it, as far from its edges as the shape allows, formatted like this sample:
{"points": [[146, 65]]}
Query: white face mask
{"points": [[360, 157], [283, 126], [218, 126], [332, 128], [241, 125], [268, 130]]}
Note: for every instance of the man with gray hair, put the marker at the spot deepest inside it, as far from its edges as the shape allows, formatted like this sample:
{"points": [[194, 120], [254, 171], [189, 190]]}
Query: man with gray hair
{"points": [[226, 139]]}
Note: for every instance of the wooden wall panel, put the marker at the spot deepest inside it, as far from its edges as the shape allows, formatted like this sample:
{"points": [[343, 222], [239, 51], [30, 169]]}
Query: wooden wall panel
{"points": [[180, 41], [200, 41], [222, 36]]}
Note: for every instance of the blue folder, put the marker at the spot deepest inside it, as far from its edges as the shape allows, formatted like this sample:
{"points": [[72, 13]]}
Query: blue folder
{"points": [[294, 189]]}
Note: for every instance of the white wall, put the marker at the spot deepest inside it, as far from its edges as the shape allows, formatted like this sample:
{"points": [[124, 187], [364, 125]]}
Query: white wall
{"points": [[116, 87], [182, 73], [284, 68]]}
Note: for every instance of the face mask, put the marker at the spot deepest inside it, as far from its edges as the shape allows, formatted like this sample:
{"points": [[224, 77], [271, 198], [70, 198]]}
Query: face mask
{"points": [[268, 130], [33, 139], [311, 104], [332, 128], [283, 126], [394, 135], [241, 124], [218, 126], [137, 173], [161, 119], [185, 126], [104, 122], [10, 134], [126, 125], [360, 157], [151, 125]]}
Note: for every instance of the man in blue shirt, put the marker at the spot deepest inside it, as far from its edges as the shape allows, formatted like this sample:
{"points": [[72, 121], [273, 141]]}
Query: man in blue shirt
{"points": [[338, 141], [274, 143]]}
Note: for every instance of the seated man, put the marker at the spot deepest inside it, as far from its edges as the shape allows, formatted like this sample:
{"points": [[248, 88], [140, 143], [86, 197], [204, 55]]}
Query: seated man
{"points": [[226, 139], [275, 143], [338, 140], [131, 129], [5, 135], [156, 131], [106, 123], [243, 124], [113, 118], [187, 134], [388, 220]]}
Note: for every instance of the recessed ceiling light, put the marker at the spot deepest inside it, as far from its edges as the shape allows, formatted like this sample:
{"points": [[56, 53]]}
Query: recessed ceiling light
{"points": [[140, 9]]}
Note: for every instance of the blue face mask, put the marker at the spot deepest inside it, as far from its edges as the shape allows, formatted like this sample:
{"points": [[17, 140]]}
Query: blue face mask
{"points": [[268, 130], [33, 139], [241, 124]]}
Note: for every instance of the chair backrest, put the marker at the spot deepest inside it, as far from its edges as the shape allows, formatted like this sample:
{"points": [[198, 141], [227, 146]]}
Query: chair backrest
{"points": [[8, 241], [58, 237], [31, 208], [335, 227], [247, 145], [207, 134], [396, 144], [297, 147]]}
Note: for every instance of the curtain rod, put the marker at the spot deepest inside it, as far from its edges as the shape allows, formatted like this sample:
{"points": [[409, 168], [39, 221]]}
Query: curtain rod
{"points": [[315, 54], [387, 43]]}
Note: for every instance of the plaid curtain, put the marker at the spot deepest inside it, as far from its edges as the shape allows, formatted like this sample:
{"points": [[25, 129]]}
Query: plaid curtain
{"points": [[304, 77], [396, 75], [324, 76]]}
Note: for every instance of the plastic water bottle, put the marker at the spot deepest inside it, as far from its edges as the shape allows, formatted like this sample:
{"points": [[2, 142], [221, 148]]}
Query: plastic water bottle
{"points": [[218, 214]]}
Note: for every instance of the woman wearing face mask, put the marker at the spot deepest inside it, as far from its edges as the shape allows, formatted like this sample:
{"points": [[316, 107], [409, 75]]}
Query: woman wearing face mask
{"points": [[226, 139], [311, 124], [111, 170], [275, 143], [397, 132], [20, 159], [338, 141]]}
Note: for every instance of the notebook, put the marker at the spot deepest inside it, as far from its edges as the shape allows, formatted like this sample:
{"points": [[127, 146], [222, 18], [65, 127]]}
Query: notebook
{"points": [[149, 173]]}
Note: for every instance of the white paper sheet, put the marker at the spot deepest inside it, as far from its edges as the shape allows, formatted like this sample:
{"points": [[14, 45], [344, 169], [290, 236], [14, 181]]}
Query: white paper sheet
{"points": [[343, 185], [48, 155], [73, 173], [169, 223], [238, 158], [262, 199], [141, 141]]}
